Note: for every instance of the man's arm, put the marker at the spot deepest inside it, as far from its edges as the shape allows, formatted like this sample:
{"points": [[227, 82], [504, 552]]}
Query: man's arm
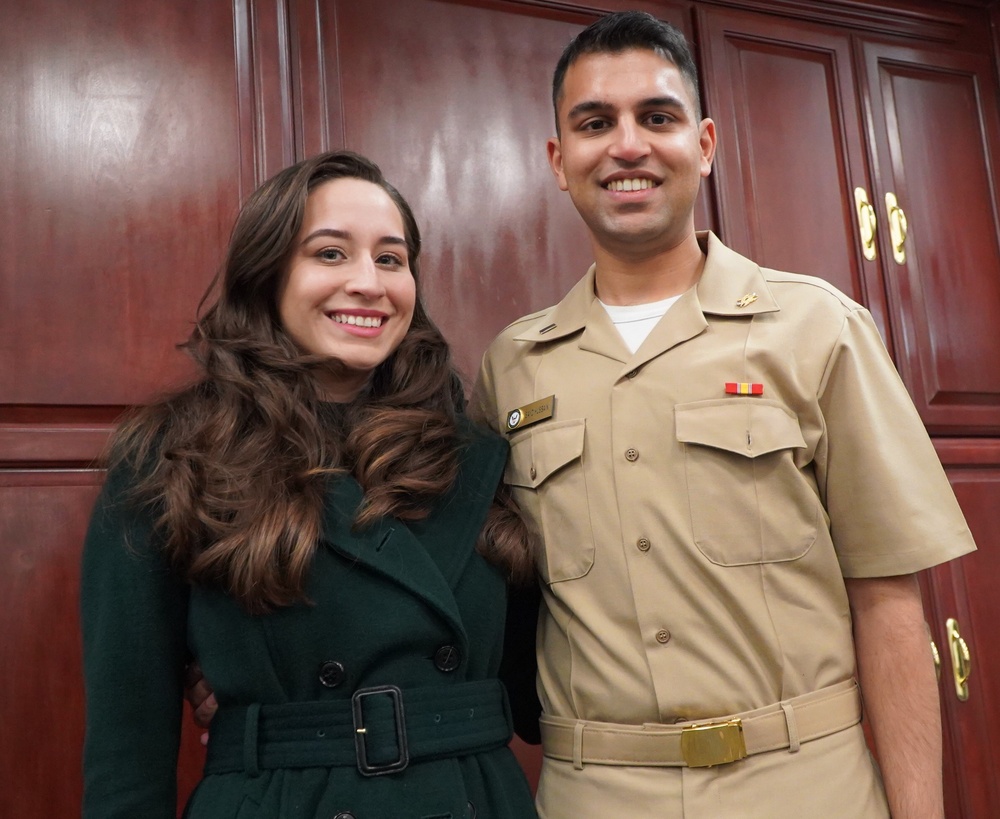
{"points": [[899, 689]]}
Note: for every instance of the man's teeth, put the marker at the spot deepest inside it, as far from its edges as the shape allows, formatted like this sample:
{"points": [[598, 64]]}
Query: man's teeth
{"points": [[358, 321], [630, 184]]}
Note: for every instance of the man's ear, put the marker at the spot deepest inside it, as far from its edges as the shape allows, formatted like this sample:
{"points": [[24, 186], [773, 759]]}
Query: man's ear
{"points": [[706, 139], [555, 161]]}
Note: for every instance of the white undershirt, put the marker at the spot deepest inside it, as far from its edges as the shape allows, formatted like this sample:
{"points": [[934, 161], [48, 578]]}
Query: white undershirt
{"points": [[636, 321]]}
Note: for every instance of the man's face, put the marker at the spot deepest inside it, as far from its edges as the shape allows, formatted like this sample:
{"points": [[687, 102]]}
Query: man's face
{"points": [[631, 152]]}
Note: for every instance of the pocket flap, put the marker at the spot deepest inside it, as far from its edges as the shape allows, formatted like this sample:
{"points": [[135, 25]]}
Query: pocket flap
{"points": [[539, 452], [748, 427]]}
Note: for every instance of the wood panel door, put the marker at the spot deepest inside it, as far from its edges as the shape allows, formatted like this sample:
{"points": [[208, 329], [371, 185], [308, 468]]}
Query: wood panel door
{"points": [[791, 147], [131, 131], [964, 591], [935, 130], [806, 114]]}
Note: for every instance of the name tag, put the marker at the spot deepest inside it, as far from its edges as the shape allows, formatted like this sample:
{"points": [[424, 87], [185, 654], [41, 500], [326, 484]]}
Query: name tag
{"points": [[530, 413]]}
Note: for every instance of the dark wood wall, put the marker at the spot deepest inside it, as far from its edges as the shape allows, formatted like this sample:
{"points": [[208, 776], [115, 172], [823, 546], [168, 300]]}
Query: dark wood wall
{"points": [[131, 131]]}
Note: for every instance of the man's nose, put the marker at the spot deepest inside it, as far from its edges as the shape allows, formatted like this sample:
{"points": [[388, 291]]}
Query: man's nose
{"points": [[630, 143]]}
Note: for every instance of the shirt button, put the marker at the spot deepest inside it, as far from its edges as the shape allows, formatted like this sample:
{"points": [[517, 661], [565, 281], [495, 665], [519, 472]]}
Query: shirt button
{"points": [[331, 674], [447, 658], [643, 544], [631, 454], [663, 636]]}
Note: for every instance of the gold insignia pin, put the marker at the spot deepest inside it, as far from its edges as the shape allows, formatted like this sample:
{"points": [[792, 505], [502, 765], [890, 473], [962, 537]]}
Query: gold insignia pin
{"points": [[530, 413], [747, 300]]}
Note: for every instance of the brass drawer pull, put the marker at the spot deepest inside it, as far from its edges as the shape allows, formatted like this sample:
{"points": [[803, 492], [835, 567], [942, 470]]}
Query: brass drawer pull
{"points": [[897, 228], [866, 222], [961, 659]]}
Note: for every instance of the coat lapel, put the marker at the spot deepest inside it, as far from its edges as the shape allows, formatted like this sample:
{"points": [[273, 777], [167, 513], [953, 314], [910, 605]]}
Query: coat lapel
{"points": [[389, 548], [451, 530]]}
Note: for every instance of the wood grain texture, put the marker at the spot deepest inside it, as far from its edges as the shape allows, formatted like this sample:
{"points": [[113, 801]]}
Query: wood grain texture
{"points": [[936, 130], [791, 148]]}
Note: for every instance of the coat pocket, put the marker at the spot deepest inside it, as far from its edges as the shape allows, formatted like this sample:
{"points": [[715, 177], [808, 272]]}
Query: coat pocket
{"points": [[750, 502], [545, 472]]}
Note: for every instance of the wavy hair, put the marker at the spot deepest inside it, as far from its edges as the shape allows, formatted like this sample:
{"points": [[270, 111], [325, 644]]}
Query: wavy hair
{"points": [[236, 465]]}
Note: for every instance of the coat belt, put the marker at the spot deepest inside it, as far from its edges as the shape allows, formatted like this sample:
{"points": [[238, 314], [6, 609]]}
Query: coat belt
{"points": [[380, 730], [703, 743]]}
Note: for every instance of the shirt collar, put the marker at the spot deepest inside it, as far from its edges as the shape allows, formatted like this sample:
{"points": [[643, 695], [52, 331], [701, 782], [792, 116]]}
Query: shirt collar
{"points": [[727, 281]]}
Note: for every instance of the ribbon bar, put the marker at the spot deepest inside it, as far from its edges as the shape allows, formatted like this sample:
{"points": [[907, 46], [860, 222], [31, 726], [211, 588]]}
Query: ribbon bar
{"points": [[744, 388]]}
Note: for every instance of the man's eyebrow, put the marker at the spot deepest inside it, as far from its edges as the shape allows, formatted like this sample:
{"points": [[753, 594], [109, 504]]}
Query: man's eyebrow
{"points": [[596, 106], [667, 101], [588, 107]]}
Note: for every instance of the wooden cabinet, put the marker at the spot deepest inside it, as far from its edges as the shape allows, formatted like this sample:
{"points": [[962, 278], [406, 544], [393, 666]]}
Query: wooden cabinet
{"points": [[808, 112], [964, 592], [935, 127], [136, 128], [791, 146]]}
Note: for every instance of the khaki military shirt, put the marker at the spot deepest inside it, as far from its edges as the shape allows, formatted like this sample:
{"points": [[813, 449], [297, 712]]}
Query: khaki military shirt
{"points": [[696, 541]]}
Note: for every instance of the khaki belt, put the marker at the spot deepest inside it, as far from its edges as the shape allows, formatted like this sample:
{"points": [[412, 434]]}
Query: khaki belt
{"points": [[703, 743]]}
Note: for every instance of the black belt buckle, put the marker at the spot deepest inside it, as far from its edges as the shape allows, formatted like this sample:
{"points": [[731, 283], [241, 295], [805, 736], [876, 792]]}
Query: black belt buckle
{"points": [[378, 769]]}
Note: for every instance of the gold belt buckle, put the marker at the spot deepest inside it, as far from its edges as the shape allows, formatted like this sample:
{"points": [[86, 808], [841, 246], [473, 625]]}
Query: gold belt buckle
{"points": [[714, 743]]}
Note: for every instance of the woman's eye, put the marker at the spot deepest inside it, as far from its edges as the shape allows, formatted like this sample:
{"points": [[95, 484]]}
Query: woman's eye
{"points": [[331, 254], [390, 260]]}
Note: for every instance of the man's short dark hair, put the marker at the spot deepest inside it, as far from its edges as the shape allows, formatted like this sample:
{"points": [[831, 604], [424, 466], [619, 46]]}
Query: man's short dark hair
{"points": [[622, 31]]}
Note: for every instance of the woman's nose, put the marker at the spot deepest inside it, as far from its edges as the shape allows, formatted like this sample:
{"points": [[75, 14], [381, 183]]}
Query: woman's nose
{"points": [[366, 279]]}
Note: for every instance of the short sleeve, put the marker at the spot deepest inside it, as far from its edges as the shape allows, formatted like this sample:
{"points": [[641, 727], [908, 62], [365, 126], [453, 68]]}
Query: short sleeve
{"points": [[891, 508]]}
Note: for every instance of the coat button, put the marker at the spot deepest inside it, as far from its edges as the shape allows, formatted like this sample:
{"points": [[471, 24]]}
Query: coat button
{"points": [[447, 658], [631, 454], [331, 674], [663, 636], [472, 811], [632, 373], [642, 544], [345, 814]]}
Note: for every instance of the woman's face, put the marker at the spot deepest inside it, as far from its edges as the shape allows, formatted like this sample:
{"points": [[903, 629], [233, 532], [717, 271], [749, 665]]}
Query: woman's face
{"points": [[348, 293]]}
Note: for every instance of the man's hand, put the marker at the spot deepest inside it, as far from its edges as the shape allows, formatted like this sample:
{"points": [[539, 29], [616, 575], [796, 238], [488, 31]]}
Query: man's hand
{"points": [[198, 692]]}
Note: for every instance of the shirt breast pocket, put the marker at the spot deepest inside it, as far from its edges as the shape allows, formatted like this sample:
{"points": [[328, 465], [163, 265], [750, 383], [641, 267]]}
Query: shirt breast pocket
{"points": [[749, 500], [546, 475]]}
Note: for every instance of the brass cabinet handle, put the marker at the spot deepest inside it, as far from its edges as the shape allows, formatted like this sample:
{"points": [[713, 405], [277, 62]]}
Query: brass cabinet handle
{"points": [[961, 660], [937, 659], [866, 222], [897, 228]]}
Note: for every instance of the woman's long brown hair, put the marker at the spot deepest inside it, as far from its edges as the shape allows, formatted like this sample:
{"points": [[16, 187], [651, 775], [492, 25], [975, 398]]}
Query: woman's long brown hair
{"points": [[236, 465]]}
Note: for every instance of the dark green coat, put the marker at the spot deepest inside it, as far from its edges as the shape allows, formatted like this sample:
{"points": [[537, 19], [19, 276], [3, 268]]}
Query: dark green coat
{"points": [[383, 603]]}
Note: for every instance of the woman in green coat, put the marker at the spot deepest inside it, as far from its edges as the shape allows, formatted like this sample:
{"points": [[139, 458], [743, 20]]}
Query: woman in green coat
{"points": [[315, 521]]}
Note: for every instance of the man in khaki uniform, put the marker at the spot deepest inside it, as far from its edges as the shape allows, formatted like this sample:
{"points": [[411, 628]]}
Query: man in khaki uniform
{"points": [[732, 487]]}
